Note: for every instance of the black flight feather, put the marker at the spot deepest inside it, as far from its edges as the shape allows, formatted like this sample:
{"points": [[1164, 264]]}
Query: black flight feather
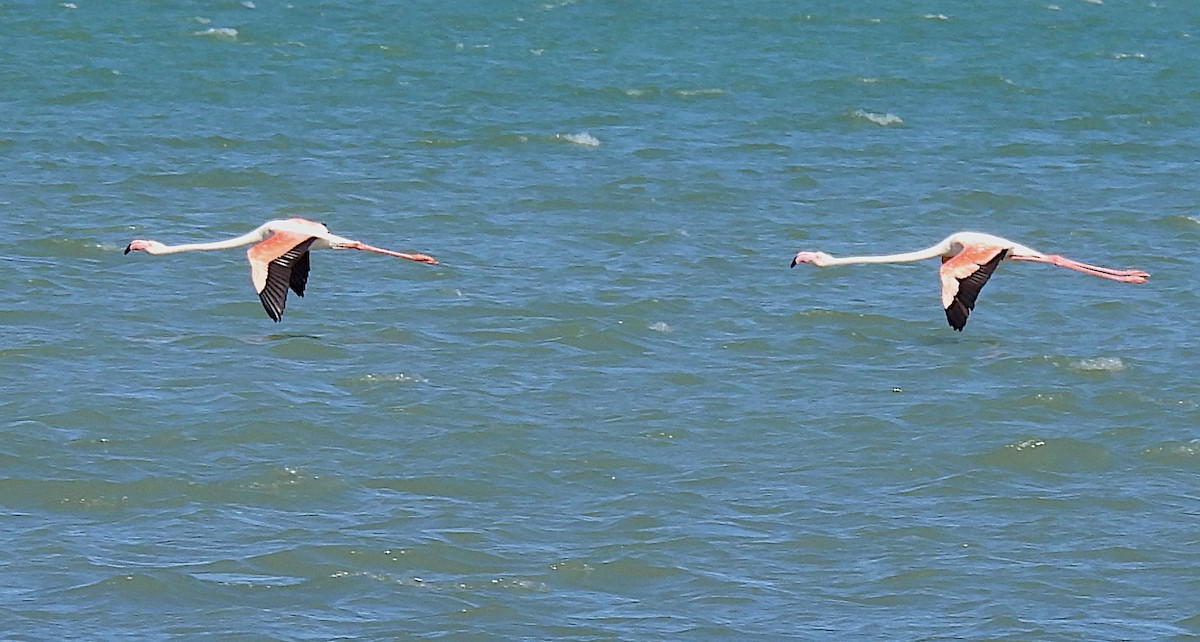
{"points": [[289, 270], [968, 291]]}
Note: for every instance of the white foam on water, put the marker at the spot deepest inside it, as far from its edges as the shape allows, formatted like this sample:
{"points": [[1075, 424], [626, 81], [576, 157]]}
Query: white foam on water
{"points": [[393, 378], [883, 120], [1190, 449], [581, 138], [661, 326], [1027, 444], [220, 33], [1100, 364], [935, 16]]}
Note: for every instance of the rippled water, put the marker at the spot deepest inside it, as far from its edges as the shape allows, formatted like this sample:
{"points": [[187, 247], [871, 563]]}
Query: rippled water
{"points": [[612, 412]]}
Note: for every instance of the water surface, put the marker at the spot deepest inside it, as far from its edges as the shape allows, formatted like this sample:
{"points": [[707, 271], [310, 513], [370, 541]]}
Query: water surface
{"points": [[612, 412]]}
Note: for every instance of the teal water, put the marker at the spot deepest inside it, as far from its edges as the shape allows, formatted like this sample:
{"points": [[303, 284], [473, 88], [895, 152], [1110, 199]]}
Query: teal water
{"points": [[612, 412]]}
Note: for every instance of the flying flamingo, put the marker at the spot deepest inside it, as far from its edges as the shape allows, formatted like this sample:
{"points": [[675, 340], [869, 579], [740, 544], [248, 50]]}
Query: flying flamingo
{"points": [[279, 258], [968, 260]]}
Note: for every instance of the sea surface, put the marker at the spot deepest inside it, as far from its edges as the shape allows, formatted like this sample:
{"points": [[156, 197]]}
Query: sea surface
{"points": [[612, 412]]}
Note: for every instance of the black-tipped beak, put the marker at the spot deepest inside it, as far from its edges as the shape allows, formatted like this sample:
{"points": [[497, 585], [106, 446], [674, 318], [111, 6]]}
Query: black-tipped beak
{"points": [[793, 261], [127, 248]]}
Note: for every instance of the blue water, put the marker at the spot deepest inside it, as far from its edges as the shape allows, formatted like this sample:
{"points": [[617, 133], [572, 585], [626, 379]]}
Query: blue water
{"points": [[613, 412]]}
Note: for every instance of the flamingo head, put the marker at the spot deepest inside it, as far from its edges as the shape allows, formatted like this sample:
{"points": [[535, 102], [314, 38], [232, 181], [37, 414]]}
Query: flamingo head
{"points": [[149, 247], [818, 259]]}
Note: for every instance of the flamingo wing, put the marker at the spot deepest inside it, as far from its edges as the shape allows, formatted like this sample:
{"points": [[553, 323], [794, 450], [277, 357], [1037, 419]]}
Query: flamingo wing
{"points": [[963, 276], [279, 262]]}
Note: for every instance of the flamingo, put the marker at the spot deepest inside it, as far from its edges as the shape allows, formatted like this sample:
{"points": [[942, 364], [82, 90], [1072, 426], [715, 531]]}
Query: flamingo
{"points": [[279, 258], [968, 260]]}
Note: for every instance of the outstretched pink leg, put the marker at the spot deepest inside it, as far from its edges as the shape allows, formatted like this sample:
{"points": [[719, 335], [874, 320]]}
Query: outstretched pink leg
{"points": [[420, 258], [1124, 276]]}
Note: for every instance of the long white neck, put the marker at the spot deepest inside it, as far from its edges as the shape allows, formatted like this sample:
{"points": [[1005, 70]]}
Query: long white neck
{"points": [[257, 235], [906, 257]]}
